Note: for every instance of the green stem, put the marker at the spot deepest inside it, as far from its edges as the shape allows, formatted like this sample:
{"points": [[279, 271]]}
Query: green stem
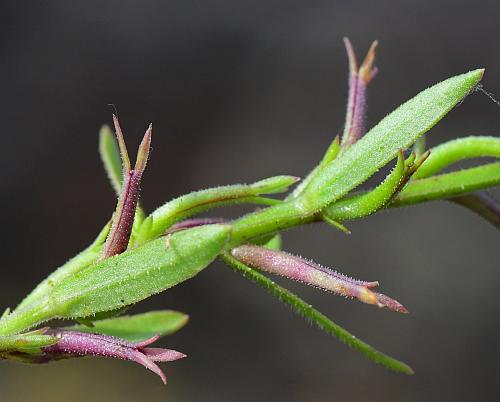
{"points": [[268, 221], [449, 185], [453, 151]]}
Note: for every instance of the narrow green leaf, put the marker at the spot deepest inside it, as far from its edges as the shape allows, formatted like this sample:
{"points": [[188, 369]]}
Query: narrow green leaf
{"points": [[398, 130], [136, 274], [124, 279], [138, 327], [194, 203], [110, 156], [449, 185], [307, 311], [456, 150]]}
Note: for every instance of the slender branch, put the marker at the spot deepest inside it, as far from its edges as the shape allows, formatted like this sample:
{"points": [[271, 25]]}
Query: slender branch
{"points": [[482, 204]]}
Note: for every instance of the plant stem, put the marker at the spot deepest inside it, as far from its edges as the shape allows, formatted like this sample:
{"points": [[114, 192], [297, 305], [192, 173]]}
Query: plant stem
{"points": [[268, 221]]}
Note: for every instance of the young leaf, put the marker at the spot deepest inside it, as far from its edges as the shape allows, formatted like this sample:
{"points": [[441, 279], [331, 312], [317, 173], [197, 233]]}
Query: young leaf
{"points": [[309, 313], [396, 131], [138, 327], [110, 156], [456, 150], [194, 203]]}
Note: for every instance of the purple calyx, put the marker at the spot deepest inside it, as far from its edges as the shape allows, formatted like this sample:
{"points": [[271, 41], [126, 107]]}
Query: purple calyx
{"points": [[78, 344], [310, 273]]}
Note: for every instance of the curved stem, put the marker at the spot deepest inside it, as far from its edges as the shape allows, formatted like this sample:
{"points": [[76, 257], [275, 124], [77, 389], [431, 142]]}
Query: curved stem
{"points": [[482, 204], [456, 150]]}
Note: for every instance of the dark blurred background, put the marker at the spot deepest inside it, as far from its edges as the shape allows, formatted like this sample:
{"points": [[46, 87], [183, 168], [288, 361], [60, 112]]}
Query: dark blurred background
{"points": [[239, 91]]}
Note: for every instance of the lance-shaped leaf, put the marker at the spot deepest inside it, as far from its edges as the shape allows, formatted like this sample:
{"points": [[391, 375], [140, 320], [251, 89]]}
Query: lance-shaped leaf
{"points": [[359, 78], [123, 218], [139, 273], [449, 185], [110, 156], [305, 310], [126, 278], [360, 205], [398, 130], [77, 263], [312, 274], [194, 203], [138, 327], [456, 150]]}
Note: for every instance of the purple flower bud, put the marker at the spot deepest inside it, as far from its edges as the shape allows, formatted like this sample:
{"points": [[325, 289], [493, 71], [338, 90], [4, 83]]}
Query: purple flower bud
{"points": [[359, 78], [75, 344], [301, 270], [123, 218]]}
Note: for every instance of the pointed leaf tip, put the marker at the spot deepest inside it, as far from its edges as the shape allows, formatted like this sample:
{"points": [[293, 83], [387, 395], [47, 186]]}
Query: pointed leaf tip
{"points": [[399, 129]]}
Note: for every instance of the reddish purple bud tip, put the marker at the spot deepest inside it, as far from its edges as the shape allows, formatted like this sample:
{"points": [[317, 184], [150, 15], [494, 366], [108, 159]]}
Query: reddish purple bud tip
{"points": [[390, 304]]}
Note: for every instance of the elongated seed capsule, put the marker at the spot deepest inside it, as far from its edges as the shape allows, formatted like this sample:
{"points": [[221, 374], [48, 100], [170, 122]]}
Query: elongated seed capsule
{"points": [[301, 270], [123, 218], [359, 79]]}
